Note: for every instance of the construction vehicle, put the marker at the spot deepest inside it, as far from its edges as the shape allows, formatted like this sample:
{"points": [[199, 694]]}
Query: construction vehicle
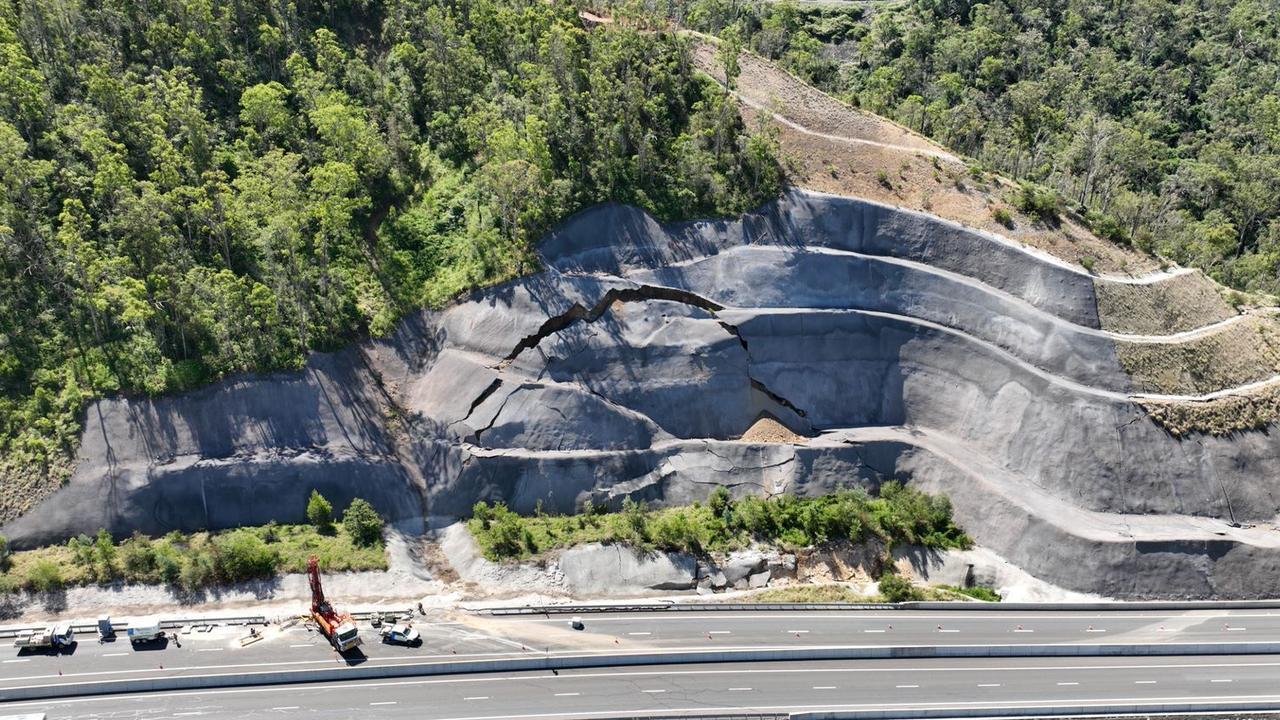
{"points": [[54, 636], [339, 629]]}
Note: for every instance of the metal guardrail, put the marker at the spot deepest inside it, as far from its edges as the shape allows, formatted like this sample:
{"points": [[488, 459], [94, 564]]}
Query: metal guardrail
{"points": [[683, 607], [948, 606], [171, 624]]}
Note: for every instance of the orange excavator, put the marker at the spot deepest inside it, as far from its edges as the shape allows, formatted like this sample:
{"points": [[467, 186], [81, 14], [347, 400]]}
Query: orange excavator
{"points": [[340, 629]]}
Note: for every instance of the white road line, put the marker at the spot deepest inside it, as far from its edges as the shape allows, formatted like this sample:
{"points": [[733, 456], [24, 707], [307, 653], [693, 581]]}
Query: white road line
{"points": [[738, 689], [1068, 683], [907, 686], [286, 707], [1021, 630], [210, 650], [988, 684], [719, 632], [477, 697], [1144, 682], [824, 687], [114, 654], [639, 633], [301, 645], [948, 630], [1236, 629], [653, 692], [796, 632], [1096, 630], [568, 694], [184, 714], [1221, 680], [384, 702], [878, 631], [19, 660]]}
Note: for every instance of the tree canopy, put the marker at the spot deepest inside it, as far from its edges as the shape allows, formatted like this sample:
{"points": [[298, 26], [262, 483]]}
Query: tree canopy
{"points": [[192, 188], [1158, 120]]}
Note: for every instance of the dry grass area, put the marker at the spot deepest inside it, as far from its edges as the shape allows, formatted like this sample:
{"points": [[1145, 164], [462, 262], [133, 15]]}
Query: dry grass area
{"points": [[849, 152], [1256, 410], [23, 485], [1243, 352], [1183, 302], [767, 429]]}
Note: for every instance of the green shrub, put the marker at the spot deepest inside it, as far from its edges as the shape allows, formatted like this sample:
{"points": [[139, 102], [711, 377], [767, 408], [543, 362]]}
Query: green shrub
{"points": [[6, 556], [1037, 201], [320, 512], [243, 555], [1003, 217], [720, 502], [1088, 262], [895, 588], [139, 557], [362, 523], [44, 576], [197, 572], [882, 177], [978, 593]]}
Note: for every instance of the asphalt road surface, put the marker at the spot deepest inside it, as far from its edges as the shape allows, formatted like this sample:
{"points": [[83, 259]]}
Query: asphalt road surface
{"points": [[689, 689], [497, 637]]}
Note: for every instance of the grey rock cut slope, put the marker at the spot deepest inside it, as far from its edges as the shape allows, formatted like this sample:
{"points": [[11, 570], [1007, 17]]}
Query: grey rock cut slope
{"points": [[903, 346]]}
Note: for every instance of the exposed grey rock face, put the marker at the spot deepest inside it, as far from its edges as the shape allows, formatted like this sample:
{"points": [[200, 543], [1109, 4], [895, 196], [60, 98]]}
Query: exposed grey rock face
{"points": [[904, 346], [603, 569]]}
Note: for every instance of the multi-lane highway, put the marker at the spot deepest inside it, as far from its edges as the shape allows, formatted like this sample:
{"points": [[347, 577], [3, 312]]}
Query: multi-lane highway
{"points": [[640, 690], [705, 689]]}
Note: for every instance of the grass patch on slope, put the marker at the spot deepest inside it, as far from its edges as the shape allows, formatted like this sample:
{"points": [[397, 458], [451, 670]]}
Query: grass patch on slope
{"points": [[897, 515], [189, 562]]}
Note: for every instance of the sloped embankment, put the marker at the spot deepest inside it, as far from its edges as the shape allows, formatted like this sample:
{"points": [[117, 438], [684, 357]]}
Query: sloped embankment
{"points": [[897, 344]]}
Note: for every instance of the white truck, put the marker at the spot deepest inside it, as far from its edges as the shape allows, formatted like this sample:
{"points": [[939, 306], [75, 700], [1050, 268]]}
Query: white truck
{"points": [[145, 630], [54, 636]]}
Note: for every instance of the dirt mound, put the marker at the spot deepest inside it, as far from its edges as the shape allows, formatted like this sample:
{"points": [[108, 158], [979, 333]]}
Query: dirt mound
{"points": [[767, 429]]}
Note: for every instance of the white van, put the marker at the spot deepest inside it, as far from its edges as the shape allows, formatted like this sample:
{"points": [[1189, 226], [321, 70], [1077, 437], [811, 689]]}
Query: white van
{"points": [[145, 630]]}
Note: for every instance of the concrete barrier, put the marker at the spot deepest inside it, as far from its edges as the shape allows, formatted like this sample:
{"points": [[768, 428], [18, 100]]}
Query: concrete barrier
{"points": [[565, 662]]}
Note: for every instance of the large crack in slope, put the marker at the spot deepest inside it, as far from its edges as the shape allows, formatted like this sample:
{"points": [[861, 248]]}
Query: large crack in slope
{"points": [[641, 293]]}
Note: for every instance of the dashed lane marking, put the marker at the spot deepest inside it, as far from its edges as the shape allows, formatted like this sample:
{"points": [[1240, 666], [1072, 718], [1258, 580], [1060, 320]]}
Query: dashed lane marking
{"points": [[824, 687], [477, 697], [384, 702], [1068, 683], [907, 686]]}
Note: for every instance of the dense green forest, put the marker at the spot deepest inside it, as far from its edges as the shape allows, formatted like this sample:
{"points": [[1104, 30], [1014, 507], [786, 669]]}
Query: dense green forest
{"points": [[1158, 119], [193, 188]]}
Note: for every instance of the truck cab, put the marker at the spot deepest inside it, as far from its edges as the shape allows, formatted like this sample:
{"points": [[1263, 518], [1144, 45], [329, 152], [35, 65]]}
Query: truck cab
{"points": [[346, 636]]}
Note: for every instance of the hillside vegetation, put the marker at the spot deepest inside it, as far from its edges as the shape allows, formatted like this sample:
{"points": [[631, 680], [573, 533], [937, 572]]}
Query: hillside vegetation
{"points": [[1158, 120], [898, 515], [191, 189]]}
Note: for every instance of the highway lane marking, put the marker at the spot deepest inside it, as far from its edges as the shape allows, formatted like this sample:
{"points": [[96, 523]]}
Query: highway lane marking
{"points": [[739, 689], [1236, 629], [988, 684], [18, 660], [1144, 682], [1155, 701], [1096, 630], [907, 686], [872, 631], [719, 632], [653, 692], [667, 673], [995, 616], [477, 697], [639, 633], [390, 661], [300, 645], [824, 687], [286, 707], [947, 630], [568, 694], [210, 650], [796, 632], [384, 702], [115, 654], [1068, 683], [1220, 680]]}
